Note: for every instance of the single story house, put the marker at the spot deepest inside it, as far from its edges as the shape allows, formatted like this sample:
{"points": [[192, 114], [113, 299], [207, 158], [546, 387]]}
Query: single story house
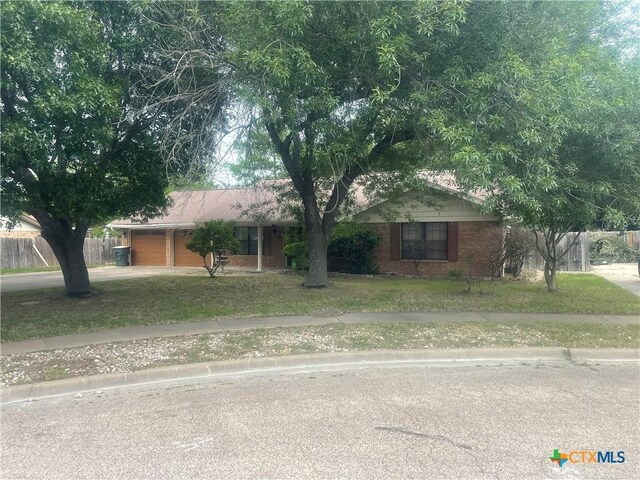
{"points": [[162, 241], [445, 234]]}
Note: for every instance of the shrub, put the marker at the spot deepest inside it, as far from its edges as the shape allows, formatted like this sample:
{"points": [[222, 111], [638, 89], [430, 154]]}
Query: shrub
{"points": [[352, 248], [518, 245], [610, 247], [211, 237], [508, 251], [456, 274], [297, 254]]}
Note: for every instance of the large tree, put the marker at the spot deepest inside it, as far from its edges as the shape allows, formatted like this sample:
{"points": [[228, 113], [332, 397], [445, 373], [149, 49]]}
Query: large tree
{"points": [[79, 144], [333, 86], [560, 148], [73, 152], [372, 92]]}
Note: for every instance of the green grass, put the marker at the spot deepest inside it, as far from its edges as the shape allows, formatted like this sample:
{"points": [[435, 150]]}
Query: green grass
{"points": [[282, 341], [13, 271], [53, 268], [271, 342], [176, 299]]}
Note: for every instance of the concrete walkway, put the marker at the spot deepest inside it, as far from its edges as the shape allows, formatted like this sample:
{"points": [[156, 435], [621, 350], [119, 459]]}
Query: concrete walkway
{"points": [[213, 326], [624, 275]]}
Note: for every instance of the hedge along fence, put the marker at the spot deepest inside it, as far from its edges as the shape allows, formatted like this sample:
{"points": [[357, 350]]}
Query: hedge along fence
{"points": [[36, 252], [614, 247]]}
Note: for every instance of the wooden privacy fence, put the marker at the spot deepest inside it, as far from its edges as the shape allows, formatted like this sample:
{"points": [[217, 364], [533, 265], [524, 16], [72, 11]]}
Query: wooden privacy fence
{"points": [[577, 260], [34, 252], [633, 239]]}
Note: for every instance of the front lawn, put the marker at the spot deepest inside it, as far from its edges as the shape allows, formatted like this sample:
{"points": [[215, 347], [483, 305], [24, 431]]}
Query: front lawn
{"points": [[176, 299]]}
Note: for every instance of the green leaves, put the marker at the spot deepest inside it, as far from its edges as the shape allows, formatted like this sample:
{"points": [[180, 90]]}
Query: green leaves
{"points": [[213, 236], [68, 113]]}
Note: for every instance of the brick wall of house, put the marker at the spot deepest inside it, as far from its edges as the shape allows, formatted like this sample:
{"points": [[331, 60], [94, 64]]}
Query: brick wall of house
{"points": [[474, 238]]}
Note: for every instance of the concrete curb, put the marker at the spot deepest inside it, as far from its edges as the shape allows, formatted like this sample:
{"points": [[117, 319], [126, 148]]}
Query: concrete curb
{"points": [[325, 361]]}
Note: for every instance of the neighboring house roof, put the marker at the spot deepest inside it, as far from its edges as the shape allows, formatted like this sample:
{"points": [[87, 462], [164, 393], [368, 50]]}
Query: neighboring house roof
{"points": [[30, 220], [24, 221], [261, 204]]}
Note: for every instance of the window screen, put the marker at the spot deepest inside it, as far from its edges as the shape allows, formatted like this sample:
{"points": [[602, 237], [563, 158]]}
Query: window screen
{"points": [[424, 241], [248, 238]]}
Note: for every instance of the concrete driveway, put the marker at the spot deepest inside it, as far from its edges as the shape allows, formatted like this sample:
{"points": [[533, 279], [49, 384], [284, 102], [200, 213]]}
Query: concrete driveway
{"points": [[470, 422], [624, 275], [32, 281]]}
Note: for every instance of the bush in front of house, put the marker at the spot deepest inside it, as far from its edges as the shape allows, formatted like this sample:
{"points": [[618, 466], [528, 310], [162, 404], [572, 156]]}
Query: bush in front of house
{"points": [[609, 247], [352, 249], [213, 237], [519, 243], [297, 254]]}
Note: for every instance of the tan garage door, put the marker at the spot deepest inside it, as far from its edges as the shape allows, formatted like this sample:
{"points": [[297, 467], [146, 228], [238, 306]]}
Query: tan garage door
{"points": [[148, 248], [183, 257]]}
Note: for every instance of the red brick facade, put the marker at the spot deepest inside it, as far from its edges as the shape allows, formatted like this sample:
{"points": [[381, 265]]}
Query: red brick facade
{"points": [[474, 238]]}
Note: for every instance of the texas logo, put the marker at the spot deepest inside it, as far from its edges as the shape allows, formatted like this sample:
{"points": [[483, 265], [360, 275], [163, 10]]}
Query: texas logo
{"points": [[559, 458], [582, 456]]}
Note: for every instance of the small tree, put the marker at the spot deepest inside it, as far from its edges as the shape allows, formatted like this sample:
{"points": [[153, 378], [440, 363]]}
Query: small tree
{"points": [[419, 250], [214, 237]]}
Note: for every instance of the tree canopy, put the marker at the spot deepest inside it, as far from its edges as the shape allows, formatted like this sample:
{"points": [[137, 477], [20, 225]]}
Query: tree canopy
{"points": [[335, 86], [496, 92], [76, 149], [535, 102], [557, 143]]}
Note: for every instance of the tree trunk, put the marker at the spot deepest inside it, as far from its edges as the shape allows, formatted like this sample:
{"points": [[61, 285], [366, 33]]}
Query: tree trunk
{"points": [[550, 276], [317, 242], [67, 244]]}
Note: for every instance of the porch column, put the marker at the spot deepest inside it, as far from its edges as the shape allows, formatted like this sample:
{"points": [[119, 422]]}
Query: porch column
{"points": [[169, 248], [259, 248]]}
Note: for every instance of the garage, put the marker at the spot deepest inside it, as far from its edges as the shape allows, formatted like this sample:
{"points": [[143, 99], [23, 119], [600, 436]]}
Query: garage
{"points": [[148, 248], [183, 257]]}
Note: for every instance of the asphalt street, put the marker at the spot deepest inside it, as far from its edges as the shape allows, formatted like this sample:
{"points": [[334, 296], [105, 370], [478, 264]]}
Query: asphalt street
{"points": [[396, 422]]}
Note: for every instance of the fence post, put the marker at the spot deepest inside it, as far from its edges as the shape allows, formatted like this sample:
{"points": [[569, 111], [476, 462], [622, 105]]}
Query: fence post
{"points": [[586, 260]]}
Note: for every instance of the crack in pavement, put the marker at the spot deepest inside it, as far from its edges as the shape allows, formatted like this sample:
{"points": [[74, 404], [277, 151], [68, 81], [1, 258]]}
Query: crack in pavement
{"points": [[440, 438], [567, 353]]}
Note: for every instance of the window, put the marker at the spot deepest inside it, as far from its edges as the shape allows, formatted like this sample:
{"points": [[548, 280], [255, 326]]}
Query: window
{"points": [[424, 241], [248, 238]]}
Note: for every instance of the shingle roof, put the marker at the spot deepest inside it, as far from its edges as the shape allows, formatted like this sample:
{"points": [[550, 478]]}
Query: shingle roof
{"points": [[191, 207], [248, 205]]}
